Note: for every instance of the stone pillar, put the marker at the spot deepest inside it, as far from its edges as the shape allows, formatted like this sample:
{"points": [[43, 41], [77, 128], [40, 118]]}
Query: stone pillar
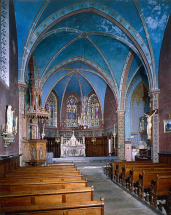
{"points": [[22, 120], [121, 134], [4, 41], [109, 146], [154, 97]]}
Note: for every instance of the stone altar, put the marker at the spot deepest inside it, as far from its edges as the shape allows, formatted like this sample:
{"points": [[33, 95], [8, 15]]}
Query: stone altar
{"points": [[73, 148]]}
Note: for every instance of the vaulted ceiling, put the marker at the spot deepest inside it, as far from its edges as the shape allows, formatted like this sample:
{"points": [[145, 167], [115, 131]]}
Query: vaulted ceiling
{"points": [[81, 46]]}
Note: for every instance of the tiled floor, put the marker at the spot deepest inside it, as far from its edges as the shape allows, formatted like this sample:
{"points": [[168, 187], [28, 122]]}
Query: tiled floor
{"points": [[117, 200]]}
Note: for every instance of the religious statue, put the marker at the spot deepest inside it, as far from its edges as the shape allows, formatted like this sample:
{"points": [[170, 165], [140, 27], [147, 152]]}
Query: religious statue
{"points": [[9, 126], [43, 129], [149, 123]]}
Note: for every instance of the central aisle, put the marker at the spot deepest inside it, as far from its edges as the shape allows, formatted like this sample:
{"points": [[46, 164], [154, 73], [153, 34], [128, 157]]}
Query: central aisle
{"points": [[117, 201]]}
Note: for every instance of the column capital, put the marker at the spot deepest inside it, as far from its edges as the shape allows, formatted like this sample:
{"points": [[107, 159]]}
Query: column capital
{"points": [[154, 97], [22, 86], [154, 94], [120, 112]]}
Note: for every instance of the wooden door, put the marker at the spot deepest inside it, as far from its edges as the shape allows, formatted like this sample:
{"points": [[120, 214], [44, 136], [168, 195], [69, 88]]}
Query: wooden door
{"points": [[54, 147], [97, 149]]}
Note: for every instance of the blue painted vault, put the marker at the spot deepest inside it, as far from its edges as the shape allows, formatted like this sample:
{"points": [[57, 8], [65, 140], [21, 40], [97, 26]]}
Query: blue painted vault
{"points": [[91, 44]]}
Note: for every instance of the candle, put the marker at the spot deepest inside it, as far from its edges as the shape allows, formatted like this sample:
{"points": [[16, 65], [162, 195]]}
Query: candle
{"points": [[114, 128]]}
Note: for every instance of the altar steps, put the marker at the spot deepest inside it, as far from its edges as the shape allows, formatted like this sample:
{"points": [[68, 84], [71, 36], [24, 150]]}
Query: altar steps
{"points": [[85, 159]]}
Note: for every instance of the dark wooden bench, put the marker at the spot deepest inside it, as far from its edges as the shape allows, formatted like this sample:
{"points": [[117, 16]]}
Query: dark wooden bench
{"points": [[73, 208], [144, 185], [27, 198], [160, 189]]}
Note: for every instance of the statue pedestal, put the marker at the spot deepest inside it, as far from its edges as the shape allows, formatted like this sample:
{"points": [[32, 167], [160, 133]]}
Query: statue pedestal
{"points": [[34, 152]]}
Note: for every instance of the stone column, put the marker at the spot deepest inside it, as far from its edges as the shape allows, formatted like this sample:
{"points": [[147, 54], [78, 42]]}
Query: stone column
{"points": [[109, 146], [121, 134], [4, 41], [22, 120], [154, 97]]}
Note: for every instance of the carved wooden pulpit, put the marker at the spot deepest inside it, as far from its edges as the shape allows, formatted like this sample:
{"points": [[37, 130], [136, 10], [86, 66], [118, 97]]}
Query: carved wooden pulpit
{"points": [[34, 152]]}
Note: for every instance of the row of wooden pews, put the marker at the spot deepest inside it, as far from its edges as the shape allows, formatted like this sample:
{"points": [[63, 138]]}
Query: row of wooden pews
{"points": [[149, 181], [58, 188]]}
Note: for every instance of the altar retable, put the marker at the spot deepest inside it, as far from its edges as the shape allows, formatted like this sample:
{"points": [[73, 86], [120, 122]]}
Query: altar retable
{"points": [[73, 147]]}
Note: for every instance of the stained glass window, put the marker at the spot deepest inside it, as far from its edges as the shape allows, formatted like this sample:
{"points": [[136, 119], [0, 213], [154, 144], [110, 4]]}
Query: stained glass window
{"points": [[51, 106], [93, 109], [72, 112]]}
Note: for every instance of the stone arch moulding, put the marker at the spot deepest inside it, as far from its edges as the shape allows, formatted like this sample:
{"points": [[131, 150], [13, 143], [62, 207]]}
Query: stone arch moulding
{"points": [[129, 94], [101, 10], [100, 72]]}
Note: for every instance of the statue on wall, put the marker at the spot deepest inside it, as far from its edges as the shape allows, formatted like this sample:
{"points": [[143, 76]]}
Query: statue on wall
{"points": [[10, 115], [149, 123]]}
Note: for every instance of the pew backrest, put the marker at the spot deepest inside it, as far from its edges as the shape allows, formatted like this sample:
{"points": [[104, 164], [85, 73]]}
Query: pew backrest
{"points": [[27, 198], [76, 208]]}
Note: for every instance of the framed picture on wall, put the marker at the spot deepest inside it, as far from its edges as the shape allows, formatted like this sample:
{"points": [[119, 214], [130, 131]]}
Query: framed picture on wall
{"points": [[167, 125]]}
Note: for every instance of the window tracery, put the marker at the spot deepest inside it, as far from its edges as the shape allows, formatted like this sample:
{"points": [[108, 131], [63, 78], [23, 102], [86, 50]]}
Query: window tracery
{"points": [[51, 106], [93, 110], [72, 109]]}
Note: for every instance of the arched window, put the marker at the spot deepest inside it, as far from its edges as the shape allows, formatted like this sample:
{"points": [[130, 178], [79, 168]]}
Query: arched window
{"points": [[93, 110], [71, 116], [51, 106], [139, 106]]}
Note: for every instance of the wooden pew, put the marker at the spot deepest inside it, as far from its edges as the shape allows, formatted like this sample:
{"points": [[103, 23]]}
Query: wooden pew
{"points": [[135, 172], [42, 179], [27, 171], [28, 198], [160, 189], [127, 167], [32, 186], [168, 203], [119, 166], [108, 170], [61, 164], [43, 174], [45, 167], [74, 208], [14, 192], [145, 179]]}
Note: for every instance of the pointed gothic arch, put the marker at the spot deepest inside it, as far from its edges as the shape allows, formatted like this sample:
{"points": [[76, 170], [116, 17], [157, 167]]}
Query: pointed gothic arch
{"points": [[51, 105], [72, 111], [94, 111]]}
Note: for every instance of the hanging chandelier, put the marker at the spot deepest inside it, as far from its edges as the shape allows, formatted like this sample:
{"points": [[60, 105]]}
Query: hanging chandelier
{"points": [[84, 119]]}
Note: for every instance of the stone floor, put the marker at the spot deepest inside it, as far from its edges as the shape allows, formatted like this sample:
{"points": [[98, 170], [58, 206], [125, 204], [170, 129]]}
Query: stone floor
{"points": [[117, 200]]}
